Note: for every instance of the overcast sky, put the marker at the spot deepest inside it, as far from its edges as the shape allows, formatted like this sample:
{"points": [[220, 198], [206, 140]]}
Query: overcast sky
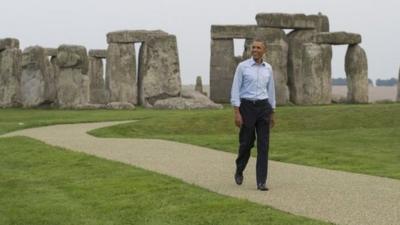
{"points": [[50, 23]]}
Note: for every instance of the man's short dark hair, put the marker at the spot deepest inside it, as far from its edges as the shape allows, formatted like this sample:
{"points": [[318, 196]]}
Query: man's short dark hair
{"points": [[259, 39]]}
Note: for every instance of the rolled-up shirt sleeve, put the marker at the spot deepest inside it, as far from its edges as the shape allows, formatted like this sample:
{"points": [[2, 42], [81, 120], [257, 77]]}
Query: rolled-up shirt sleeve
{"points": [[271, 90], [235, 91]]}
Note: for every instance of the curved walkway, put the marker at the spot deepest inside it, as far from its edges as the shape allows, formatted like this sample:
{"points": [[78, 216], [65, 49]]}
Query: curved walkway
{"points": [[334, 196]]}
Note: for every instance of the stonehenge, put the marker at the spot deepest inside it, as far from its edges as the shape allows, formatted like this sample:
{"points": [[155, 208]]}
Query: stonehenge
{"points": [[301, 59], [72, 77], [122, 77]]}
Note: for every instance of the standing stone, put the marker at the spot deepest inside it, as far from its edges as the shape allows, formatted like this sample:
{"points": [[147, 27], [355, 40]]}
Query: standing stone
{"points": [[121, 73], [316, 74], [296, 39], [10, 72], [276, 56], [356, 67], [199, 85], [159, 73], [56, 71], [51, 86], [96, 80], [222, 69], [72, 82], [85, 91], [37, 83]]}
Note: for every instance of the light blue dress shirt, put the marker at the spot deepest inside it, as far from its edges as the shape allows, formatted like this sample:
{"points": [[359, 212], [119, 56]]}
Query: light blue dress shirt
{"points": [[254, 82]]}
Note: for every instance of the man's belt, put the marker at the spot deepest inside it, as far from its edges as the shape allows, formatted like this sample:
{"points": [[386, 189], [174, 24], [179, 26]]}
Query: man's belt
{"points": [[255, 102]]}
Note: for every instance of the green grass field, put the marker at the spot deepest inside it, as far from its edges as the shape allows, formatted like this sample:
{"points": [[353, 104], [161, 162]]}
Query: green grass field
{"points": [[40, 184], [44, 185]]}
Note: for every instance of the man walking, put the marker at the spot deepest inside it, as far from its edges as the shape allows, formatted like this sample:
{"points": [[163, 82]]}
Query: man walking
{"points": [[253, 100]]}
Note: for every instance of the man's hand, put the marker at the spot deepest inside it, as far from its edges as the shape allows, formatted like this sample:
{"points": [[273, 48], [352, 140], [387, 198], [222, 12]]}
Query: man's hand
{"points": [[238, 117], [272, 121]]}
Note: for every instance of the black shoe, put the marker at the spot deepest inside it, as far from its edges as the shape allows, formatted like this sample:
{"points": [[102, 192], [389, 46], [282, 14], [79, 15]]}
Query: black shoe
{"points": [[238, 178], [262, 187]]}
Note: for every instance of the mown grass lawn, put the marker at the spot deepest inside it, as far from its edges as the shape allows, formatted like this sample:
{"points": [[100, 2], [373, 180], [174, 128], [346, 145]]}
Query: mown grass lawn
{"points": [[40, 184], [44, 185], [356, 138]]}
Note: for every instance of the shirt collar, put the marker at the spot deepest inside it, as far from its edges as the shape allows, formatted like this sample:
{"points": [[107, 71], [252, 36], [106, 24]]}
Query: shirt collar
{"points": [[253, 62]]}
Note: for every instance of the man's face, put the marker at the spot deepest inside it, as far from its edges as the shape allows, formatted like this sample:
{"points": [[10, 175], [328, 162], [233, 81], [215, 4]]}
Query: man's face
{"points": [[258, 49]]}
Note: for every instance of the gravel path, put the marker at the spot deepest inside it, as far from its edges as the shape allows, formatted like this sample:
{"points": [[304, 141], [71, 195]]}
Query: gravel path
{"points": [[334, 196]]}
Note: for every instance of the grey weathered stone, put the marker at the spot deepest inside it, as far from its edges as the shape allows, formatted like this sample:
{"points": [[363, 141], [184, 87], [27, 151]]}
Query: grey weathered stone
{"points": [[85, 89], [56, 69], [10, 74], [232, 31], [321, 21], [98, 53], [51, 52], [72, 82], [37, 80], [316, 74], [296, 39], [120, 105], [96, 79], [276, 56], [337, 38], [356, 67], [285, 21], [222, 69], [187, 100], [9, 43], [199, 85], [159, 73], [132, 36], [92, 106], [121, 73], [72, 56]]}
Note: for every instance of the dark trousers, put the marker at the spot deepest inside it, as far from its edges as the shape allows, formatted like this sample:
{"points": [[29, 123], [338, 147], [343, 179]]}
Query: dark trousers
{"points": [[256, 122]]}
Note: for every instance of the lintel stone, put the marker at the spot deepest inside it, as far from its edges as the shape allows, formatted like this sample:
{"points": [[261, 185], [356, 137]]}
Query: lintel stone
{"points": [[8, 43], [98, 53], [51, 51], [286, 21], [337, 38], [132, 36], [232, 31]]}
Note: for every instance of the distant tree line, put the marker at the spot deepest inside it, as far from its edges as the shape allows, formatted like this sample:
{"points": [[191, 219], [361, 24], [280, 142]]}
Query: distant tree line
{"points": [[388, 82], [379, 82], [343, 81]]}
